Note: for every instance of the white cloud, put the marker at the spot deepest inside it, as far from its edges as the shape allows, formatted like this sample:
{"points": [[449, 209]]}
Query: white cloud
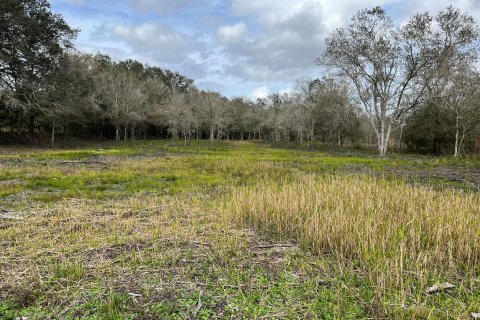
{"points": [[269, 11], [289, 36], [232, 32], [260, 92], [160, 6], [160, 42]]}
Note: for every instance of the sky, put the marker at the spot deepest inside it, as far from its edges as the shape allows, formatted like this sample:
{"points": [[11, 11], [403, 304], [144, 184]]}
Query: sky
{"points": [[248, 48]]}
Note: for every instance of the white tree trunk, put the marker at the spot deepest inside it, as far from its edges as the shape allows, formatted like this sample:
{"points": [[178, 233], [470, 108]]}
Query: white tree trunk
{"points": [[212, 134], [457, 134], [117, 132], [400, 139], [383, 137]]}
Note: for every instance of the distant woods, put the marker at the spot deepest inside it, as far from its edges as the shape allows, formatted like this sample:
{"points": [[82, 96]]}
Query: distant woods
{"points": [[411, 86]]}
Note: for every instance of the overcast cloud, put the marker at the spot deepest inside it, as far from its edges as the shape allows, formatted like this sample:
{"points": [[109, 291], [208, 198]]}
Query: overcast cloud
{"points": [[238, 47]]}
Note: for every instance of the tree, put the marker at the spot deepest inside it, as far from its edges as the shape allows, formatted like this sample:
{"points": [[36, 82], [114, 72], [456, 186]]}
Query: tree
{"points": [[156, 94], [455, 83], [32, 41], [461, 100], [118, 90], [213, 113], [70, 94], [174, 111], [328, 109], [429, 127], [390, 66]]}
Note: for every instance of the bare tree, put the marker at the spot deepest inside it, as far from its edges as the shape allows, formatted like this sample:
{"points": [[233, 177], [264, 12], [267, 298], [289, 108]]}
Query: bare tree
{"points": [[213, 113], [389, 65], [460, 99], [454, 84], [120, 92]]}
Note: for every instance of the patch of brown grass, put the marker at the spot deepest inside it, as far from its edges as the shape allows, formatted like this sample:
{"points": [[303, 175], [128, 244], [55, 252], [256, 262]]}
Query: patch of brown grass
{"points": [[402, 237]]}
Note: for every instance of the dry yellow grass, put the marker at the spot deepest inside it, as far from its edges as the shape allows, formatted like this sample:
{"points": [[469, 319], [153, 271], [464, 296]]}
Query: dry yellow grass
{"points": [[153, 257], [402, 237]]}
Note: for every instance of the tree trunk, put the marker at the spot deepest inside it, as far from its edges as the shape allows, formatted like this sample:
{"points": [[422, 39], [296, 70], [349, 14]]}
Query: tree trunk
{"points": [[31, 124], [53, 135], [457, 133], [125, 133], [400, 139], [383, 136], [460, 145], [117, 132]]}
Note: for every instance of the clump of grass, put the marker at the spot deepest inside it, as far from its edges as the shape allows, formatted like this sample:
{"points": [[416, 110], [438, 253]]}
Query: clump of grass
{"points": [[404, 238]]}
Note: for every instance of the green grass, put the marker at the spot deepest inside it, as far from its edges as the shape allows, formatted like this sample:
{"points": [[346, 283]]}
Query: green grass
{"points": [[158, 165], [136, 230]]}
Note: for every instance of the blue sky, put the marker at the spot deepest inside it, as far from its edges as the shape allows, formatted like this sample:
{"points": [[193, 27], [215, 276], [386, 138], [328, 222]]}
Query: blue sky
{"points": [[237, 47]]}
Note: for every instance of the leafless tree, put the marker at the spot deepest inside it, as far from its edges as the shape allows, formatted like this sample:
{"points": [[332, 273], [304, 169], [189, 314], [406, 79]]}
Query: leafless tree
{"points": [[390, 66], [213, 113]]}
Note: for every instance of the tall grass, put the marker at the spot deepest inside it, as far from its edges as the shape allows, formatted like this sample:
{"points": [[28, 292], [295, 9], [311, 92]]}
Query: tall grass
{"points": [[402, 237]]}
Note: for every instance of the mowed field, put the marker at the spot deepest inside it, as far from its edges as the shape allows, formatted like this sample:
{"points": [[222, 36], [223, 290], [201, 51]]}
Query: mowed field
{"points": [[242, 230]]}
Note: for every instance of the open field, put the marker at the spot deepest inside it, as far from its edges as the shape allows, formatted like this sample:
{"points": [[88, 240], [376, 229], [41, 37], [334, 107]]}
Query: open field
{"points": [[148, 230]]}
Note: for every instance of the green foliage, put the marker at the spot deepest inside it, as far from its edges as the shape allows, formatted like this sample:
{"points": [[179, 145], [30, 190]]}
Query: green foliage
{"points": [[430, 129], [32, 40]]}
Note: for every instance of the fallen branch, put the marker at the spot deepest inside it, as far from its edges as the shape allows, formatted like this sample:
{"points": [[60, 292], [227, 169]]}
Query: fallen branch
{"points": [[440, 287], [82, 162], [278, 245]]}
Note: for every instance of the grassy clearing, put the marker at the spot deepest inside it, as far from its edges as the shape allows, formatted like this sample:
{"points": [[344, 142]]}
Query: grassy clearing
{"points": [[139, 230]]}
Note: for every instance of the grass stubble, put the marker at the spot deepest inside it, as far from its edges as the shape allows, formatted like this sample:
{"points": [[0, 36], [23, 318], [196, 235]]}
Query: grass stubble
{"points": [[230, 230]]}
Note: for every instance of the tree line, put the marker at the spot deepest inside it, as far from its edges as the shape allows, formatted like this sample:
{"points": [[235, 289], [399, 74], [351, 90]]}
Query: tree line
{"points": [[387, 84]]}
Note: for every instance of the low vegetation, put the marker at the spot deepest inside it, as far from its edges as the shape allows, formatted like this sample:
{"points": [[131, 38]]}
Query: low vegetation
{"points": [[145, 230], [403, 238]]}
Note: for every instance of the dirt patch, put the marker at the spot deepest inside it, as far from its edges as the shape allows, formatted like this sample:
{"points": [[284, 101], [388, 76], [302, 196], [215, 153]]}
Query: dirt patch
{"points": [[114, 158], [12, 182], [449, 177], [13, 215], [267, 253], [26, 196], [113, 251], [469, 177], [116, 250]]}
